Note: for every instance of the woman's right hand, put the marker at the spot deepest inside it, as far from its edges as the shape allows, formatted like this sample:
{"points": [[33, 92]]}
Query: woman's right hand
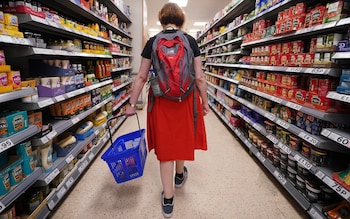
{"points": [[130, 111]]}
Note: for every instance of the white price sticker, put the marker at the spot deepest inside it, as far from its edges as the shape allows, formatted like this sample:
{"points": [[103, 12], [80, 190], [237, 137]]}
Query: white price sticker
{"points": [[336, 187], [270, 116], [2, 207], [83, 166], [345, 98], [52, 134], [276, 99], [70, 182], [51, 204], [303, 162], [283, 124], [250, 105], [45, 103], [325, 132], [61, 193], [97, 132], [260, 157], [285, 148], [294, 69], [308, 138], [294, 105], [320, 175], [52, 175], [59, 98], [44, 140], [339, 139], [69, 158], [91, 156], [280, 177], [6, 145], [249, 145], [272, 138], [257, 127], [238, 133], [314, 214], [319, 71], [75, 120], [70, 94]]}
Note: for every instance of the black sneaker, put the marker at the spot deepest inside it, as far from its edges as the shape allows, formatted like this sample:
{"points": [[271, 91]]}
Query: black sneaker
{"points": [[179, 182], [167, 207]]}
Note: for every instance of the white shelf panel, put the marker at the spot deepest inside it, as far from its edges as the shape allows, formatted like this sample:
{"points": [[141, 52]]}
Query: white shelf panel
{"points": [[120, 54], [337, 96], [223, 77], [16, 94], [8, 142], [14, 40], [341, 55]]}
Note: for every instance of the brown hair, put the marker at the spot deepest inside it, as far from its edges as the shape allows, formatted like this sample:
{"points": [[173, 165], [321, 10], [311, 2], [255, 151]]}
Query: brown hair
{"points": [[171, 13]]}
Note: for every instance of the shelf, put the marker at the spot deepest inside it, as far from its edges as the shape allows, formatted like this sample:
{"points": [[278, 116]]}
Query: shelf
{"points": [[121, 43], [342, 137], [331, 117], [234, 41], [82, 14], [15, 40], [120, 54], [341, 55], [232, 111], [52, 52], [34, 22], [114, 89], [112, 7], [47, 101], [13, 194], [337, 96], [16, 94], [300, 70], [239, 52], [8, 142], [121, 69], [59, 126], [223, 77], [120, 103]]}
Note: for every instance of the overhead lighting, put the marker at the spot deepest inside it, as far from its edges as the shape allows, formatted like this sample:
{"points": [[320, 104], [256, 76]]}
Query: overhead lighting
{"points": [[153, 30], [194, 30], [181, 3], [199, 23]]}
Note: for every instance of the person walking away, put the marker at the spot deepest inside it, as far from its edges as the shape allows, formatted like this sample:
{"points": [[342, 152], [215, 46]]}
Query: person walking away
{"points": [[173, 131]]}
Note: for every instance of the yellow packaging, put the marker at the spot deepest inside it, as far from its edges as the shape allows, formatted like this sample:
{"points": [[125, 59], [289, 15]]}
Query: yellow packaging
{"points": [[11, 27], [14, 33], [2, 17], [2, 58], [14, 79], [10, 19]]}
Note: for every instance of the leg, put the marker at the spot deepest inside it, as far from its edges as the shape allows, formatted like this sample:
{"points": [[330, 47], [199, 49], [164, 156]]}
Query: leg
{"points": [[167, 177], [180, 166], [181, 173]]}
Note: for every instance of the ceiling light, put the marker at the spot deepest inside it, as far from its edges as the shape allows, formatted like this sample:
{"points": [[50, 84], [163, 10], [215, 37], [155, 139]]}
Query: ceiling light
{"points": [[194, 30], [154, 30], [181, 3], [199, 23]]}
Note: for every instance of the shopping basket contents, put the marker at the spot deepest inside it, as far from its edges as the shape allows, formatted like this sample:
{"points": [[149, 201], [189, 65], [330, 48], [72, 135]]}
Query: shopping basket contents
{"points": [[127, 155]]}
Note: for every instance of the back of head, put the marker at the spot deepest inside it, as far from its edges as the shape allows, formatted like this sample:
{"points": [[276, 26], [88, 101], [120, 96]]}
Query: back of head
{"points": [[171, 13]]}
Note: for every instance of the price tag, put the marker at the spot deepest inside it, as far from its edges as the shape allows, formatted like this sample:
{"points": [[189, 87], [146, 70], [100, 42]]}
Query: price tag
{"points": [[52, 134], [44, 139], [257, 127], [283, 124], [336, 187], [83, 166], [51, 205], [70, 182], [320, 175], [284, 148], [325, 132], [251, 106], [308, 138], [270, 116], [314, 214], [45, 103], [345, 98], [52, 175], [319, 71], [6, 145], [272, 138], [249, 145], [303, 161], [280, 177], [69, 158], [97, 132], [61, 193], [276, 99], [238, 133], [339, 139], [59, 98], [294, 69], [260, 157], [91, 156], [293, 106], [75, 120], [2, 207], [71, 94]]}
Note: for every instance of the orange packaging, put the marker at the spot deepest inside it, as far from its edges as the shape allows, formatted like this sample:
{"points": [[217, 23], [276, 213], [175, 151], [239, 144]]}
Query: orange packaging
{"points": [[66, 108], [3, 80], [313, 85], [308, 60], [14, 79]]}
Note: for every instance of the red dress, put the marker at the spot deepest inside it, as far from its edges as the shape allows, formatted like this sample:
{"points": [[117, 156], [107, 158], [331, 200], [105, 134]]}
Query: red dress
{"points": [[170, 128]]}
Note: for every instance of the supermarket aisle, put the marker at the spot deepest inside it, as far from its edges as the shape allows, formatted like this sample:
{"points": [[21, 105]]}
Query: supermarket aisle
{"points": [[224, 182]]}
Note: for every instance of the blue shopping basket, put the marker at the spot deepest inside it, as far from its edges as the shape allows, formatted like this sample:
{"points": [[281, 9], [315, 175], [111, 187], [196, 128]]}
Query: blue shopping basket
{"points": [[127, 155]]}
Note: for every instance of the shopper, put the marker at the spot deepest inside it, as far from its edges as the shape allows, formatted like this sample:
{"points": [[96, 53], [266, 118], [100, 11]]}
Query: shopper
{"points": [[170, 124]]}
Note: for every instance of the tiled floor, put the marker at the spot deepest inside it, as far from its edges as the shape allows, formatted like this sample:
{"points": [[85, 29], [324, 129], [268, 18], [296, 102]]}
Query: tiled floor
{"points": [[224, 182]]}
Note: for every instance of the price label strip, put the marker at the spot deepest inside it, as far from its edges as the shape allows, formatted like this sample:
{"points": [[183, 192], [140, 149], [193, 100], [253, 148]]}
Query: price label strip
{"points": [[336, 187], [62, 192], [308, 138], [320, 175], [59, 98], [249, 145], [2, 207], [257, 127], [52, 134], [260, 157], [51, 204], [303, 162], [238, 133], [52, 175], [272, 138], [270, 116], [283, 124], [6, 145], [69, 158], [70, 182], [294, 106], [91, 156], [285, 148], [280, 177], [294, 69], [75, 120], [339, 139]]}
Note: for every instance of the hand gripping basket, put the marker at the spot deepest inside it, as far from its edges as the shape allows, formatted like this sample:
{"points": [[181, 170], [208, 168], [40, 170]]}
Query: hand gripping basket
{"points": [[126, 156]]}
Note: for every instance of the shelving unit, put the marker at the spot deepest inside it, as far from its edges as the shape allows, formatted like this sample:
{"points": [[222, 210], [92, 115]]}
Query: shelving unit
{"points": [[330, 139]]}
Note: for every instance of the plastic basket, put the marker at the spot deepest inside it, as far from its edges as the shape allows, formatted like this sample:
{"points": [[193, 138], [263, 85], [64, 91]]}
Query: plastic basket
{"points": [[126, 157]]}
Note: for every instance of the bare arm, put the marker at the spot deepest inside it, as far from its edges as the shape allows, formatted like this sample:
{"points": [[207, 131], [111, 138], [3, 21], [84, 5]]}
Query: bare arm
{"points": [[201, 84], [140, 80]]}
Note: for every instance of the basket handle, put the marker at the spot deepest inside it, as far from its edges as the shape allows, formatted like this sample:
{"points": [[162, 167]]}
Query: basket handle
{"points": [[116, 117]]}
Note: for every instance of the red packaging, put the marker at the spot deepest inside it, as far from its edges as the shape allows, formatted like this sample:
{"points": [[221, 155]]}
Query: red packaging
{"points": [[308, 60], [277, 78], [286, 48], [280, 16], [291, 12], [308, 22], [317, 15], [289, 25], [298, 22], [300, 60], [297, 46], [284, 59], [313, 85], [275, 60], [320, 101], [313, 44], [326, 85], [284, 92], [290, 81], [300, 8], [275, 49], [300, 95], [293, 60]]}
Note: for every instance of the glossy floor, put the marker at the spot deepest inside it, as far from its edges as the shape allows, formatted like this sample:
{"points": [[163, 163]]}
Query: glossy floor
{"points": [[224, 182]]}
